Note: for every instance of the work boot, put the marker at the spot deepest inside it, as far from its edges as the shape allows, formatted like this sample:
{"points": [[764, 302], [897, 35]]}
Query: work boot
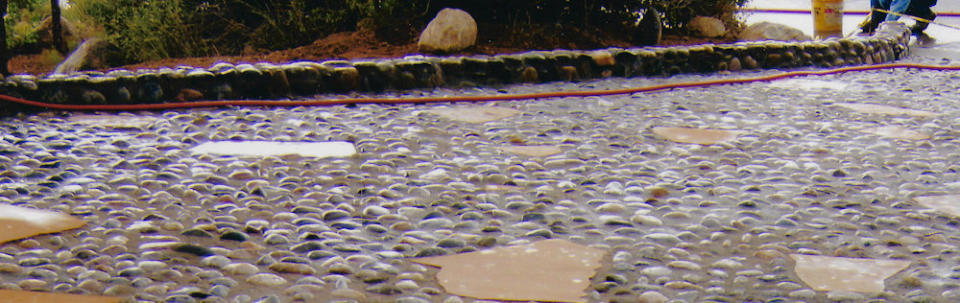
{"points": [[924, 40], [870, 24], [918, 27]]}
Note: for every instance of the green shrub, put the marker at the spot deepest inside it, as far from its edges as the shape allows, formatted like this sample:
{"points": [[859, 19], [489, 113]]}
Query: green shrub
{"points": [[234, 25], [144, 29], [50, 57], [589, 13], [152, 29], [679, 12], [173, 28], [23, 16]]}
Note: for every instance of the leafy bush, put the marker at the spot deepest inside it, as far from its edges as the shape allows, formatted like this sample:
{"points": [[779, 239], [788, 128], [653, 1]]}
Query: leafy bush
{"points": [[145, 29], [22, 17], [235, 25], [588, 12], [50, 57], [583, 21], [679, 12], [151, 29]]}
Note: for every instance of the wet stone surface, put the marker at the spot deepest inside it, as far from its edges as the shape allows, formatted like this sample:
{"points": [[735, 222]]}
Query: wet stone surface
{"points": [[683, 222]]}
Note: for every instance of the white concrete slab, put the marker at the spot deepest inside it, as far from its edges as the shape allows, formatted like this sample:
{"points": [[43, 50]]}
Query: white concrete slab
{"points": [[273, 148], [808, 84]]}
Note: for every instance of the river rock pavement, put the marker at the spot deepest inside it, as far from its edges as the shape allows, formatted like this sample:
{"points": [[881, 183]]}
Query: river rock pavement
{"points": [[681, 222]]}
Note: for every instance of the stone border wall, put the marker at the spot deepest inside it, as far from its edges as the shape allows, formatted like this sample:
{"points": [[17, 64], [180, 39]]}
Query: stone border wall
{"points": [[225, 81]]}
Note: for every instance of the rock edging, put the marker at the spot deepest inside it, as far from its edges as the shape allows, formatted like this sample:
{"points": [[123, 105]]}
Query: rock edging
{"points": [[224, 81]]}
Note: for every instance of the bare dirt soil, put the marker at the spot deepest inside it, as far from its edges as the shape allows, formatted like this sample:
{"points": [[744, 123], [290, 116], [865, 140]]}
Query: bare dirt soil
{"points": [[365, 44]]}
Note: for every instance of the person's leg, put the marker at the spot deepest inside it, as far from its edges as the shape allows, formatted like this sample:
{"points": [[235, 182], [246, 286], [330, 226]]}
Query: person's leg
{"points": [[921, 8], [875, 17], [897, 6]]}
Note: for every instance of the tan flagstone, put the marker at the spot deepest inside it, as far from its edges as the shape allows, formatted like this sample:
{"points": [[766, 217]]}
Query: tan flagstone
{"points": [[884, 109], [533, 150], [474, 114], [808, 84], [846, 274], [277, 148], [112, 121], [548, 271], [19, 296], [949, 204], [702, 136], [896, 132], [502, 188], [20, 222]]}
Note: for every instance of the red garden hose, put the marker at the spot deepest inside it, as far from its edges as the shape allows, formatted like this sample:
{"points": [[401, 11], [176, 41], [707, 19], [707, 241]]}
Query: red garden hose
{"points": [[396, 100]]}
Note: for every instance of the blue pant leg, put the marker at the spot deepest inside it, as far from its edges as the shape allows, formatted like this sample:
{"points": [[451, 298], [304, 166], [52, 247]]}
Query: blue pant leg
{"points": [[897, 6], [875, 16]]}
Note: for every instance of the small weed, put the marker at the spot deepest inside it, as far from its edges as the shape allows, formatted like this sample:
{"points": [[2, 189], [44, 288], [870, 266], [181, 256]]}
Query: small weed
{"points": [[50, 57]]}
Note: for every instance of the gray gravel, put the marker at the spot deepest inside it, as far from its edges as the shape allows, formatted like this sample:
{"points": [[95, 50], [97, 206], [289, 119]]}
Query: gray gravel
{"points": [[169, 225]]}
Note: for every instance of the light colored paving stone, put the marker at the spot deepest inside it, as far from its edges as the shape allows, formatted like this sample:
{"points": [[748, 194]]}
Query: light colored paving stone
{"points": [[272, 148], [549, 270], [20, 222], [113, 121], [700, 136], [949, 204], [474, 114], [884, 109], [808, 84], [40, 297], [533, 151], [896, 132], [846, 274]]}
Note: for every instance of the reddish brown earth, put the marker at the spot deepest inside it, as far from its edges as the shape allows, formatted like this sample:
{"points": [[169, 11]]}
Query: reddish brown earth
{"points": [[357, 45], [30, 64]]}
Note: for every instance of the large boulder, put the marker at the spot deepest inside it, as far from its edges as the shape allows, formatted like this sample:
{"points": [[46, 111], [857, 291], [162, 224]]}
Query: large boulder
{"points": [[93, 53], [450, 31], [772, 31], [44, 32], [649, 29], [706, 27]]}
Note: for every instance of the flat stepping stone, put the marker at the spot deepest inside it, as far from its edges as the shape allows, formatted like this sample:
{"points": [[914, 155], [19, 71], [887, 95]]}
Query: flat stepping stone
{"points": [[533, 150], [702, 136], [808, 84], [884, 110], [896, 132], [846, 274], [474, 114], [42, 297], [20, 222], [949, 204], [112, 121], [274, 148], [502, 188], [547, 271]]}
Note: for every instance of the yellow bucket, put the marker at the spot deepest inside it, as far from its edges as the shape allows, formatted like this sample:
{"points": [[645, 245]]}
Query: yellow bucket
{"points": [[827, 18]]}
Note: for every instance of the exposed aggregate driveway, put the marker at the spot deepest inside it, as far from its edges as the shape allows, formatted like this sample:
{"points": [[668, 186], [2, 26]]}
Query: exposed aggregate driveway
{"points": [[687, 222]]}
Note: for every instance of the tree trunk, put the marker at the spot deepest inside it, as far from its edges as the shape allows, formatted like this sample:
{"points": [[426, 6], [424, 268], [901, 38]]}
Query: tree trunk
{"points": [[58, 42], [4, 53]]}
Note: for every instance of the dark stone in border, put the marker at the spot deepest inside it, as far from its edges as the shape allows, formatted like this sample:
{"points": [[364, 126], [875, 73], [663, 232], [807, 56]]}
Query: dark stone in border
{"points": [[224, 81]]}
